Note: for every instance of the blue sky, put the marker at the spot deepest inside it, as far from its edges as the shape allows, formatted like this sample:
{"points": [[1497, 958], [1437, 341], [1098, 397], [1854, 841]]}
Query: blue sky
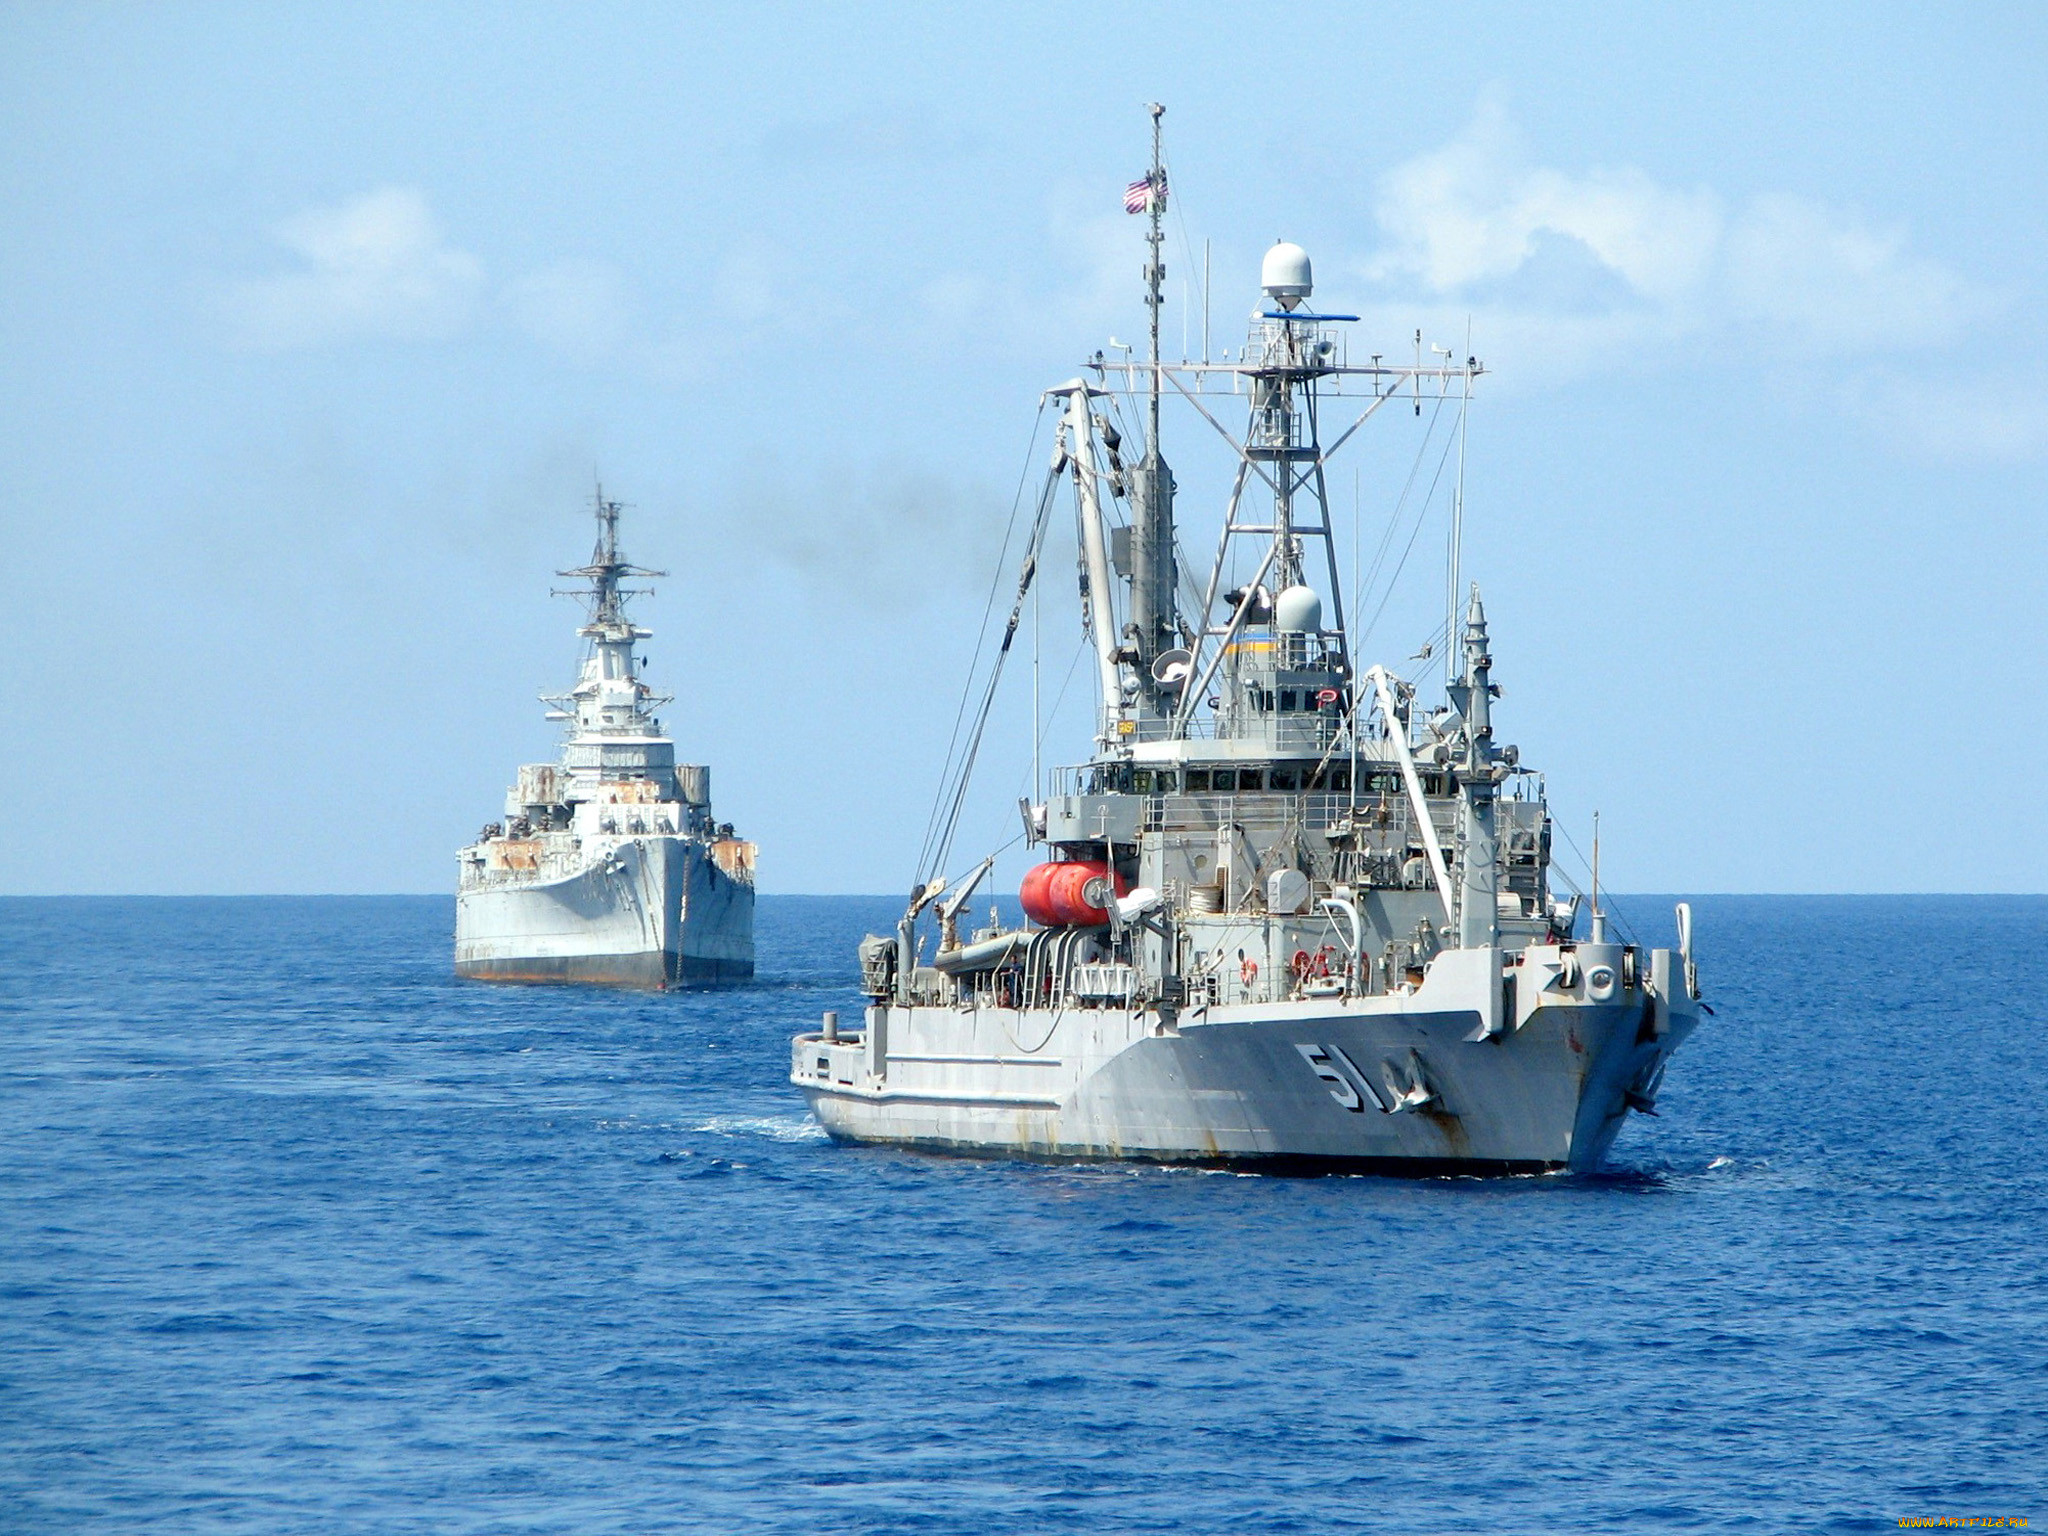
{"points": [[315, 323]]}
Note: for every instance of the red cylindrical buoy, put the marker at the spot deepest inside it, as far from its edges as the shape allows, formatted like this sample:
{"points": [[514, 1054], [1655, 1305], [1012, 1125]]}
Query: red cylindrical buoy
{"points": [[1032, 894], [1073, 894]]}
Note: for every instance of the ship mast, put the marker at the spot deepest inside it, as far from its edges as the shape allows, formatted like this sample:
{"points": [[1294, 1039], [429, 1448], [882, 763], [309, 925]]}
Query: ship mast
{"points": [[1155, 276], [614, 639], [605, 565], [1153, 620], [605, 596]]}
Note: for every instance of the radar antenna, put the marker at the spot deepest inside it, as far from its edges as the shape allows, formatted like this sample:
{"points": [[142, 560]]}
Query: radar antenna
{"points": [[605, 595]]}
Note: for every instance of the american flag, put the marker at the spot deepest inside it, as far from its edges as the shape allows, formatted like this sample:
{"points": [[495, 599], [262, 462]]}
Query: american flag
{"points": [[1138, 195]]}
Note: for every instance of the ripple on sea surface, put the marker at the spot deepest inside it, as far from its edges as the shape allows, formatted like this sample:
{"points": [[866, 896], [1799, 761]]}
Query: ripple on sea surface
{"points": [[301, 1234]]}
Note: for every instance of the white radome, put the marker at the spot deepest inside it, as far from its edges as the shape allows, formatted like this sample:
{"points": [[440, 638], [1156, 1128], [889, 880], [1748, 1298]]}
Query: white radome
{"points": [[1285, 274], [1298, 611]]}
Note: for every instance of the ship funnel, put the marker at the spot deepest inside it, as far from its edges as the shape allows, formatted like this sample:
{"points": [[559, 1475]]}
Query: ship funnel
{"points": [[1285, 275]]}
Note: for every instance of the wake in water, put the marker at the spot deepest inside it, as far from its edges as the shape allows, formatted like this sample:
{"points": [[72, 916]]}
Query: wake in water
{"points": [[784, 1128]]}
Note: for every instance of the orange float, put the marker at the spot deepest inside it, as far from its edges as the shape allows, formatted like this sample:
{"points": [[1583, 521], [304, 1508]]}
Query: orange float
{"points": [[1069, 894]]}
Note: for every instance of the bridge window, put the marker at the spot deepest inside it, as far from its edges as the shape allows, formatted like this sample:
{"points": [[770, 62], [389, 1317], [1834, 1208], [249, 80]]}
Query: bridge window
{"points": [[1284, 779], [1290, 701], [1249, 780], [1198, 781], [1224, 780], [1110, 779]]}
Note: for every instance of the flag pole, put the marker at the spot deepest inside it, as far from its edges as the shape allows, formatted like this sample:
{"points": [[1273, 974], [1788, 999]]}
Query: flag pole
{"points": [[1155, 274]]}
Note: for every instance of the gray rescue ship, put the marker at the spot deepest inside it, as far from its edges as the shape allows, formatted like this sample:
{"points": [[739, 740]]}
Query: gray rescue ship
{"points": [[1288, 918], [609, 867]]}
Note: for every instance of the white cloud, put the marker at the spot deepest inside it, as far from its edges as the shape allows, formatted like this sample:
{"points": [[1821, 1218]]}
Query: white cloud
{"points": [[376, 265], [1472, 213], [1569, 269]]}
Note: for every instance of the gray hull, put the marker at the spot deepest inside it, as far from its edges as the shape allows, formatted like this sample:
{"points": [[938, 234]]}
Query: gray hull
{"points": [[1412, 1085], [657, 912]]}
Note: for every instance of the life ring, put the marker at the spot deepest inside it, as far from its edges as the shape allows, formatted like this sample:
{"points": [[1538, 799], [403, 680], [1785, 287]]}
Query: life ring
{"points": [[1309, 967], [1248, 970]]}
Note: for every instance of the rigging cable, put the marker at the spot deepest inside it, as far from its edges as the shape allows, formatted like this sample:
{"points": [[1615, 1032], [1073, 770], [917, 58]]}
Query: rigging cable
{"points": [[981, 638], [1379, 559], [1052, 715], [1421, 516], [1175, 205], [1628, 929], [939, 846]]}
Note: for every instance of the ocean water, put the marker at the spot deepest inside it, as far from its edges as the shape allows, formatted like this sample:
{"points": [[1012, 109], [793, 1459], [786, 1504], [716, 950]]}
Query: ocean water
{"points": [[299, 1234]]}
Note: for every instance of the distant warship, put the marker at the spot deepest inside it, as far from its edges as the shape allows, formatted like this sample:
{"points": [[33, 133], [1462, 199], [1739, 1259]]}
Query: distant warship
{"points": [[609, 867], [1288, 916]]}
